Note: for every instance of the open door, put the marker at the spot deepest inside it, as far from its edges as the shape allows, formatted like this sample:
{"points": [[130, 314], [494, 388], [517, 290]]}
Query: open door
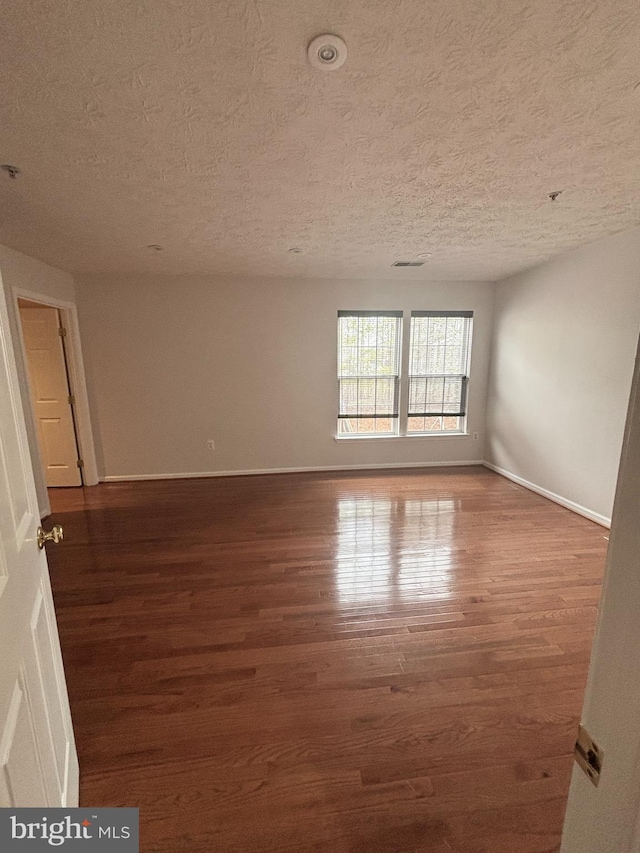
{"points": [[43, 334], [38, 762], [606, 818]]}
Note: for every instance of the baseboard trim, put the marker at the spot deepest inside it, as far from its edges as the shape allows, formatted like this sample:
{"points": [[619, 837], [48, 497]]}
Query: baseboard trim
{"points": [[372, 466], [552, 496]]}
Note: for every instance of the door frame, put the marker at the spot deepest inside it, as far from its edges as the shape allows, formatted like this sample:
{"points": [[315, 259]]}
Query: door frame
{"points": [[77, 377], [607, 817]]}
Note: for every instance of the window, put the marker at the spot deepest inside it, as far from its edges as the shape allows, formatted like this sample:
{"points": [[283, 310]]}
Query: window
{"points": [[438, 368], [369, 372], [431, 397]]}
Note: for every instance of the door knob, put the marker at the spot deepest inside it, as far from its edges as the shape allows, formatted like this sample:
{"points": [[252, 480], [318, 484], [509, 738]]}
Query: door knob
{"points": [[55, 535]]}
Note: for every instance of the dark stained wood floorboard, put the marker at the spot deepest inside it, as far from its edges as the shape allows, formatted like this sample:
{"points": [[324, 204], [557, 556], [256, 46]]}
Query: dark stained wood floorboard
{"points": [[343, 662]]}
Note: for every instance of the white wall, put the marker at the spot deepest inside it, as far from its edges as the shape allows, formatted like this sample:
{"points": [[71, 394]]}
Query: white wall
{"points": [[606, 819], [250, 363], [565, 337], [22, 272]]}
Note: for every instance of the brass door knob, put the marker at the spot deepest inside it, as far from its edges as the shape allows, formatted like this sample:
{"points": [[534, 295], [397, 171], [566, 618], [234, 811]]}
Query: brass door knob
{"points": [[55, 535]]}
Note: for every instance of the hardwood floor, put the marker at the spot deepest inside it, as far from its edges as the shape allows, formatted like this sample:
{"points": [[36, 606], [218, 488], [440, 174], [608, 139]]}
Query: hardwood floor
{"points": [[327, 662]]}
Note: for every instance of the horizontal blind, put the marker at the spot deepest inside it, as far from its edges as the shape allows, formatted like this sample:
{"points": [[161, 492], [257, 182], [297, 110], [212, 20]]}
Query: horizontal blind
{"points": [[437, 396], [438, 363], [368, 364], [369, 313], [467, 314]]}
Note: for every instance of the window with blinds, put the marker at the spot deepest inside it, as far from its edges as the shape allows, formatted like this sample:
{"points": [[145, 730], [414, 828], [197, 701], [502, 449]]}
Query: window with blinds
{"points": [[438, 370], [369, 372]]}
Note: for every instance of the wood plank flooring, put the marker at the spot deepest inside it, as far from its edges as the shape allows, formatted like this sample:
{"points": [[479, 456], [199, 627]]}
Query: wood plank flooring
{"points": [[348, 663]]}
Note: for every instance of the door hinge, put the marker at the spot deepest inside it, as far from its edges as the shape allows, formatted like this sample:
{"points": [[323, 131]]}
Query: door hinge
{"points": [[588, 755], [62, 331], [71, 400], [80, 463]]}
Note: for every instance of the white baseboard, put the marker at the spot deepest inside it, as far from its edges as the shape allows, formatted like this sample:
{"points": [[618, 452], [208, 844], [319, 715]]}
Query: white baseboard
{"points": [[193, 475], [552, 496]]}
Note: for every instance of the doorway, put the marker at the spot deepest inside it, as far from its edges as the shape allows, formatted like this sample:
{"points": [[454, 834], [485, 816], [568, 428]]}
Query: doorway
{"points": [[52, 396]]}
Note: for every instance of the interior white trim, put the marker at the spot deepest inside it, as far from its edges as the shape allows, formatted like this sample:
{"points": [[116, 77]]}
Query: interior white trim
{"points": [[194, 475], [77, 375], [381, 437], [552, 496], [369, 466]]}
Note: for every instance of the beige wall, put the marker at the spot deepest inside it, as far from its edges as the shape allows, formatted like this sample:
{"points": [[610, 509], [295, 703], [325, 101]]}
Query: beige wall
{"points": [[250, 363], [21, 272], [565, 336]]}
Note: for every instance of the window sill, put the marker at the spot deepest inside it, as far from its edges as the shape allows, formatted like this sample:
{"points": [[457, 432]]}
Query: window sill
{"points": [[401, 437]]}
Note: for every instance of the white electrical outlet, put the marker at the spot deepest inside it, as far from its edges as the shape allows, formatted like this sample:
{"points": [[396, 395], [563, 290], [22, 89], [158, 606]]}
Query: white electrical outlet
{"points": [[476, 436], [211, 444]]}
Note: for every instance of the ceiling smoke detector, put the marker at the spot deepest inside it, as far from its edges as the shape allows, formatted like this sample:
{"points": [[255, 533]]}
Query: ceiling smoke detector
{"points": [[327, 52]]}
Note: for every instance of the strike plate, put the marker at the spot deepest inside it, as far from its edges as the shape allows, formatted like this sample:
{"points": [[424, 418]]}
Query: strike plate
{"points": [[588, 755]]}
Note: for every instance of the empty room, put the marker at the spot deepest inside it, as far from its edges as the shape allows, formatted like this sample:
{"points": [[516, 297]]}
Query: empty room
{"points": [[320, 426]]}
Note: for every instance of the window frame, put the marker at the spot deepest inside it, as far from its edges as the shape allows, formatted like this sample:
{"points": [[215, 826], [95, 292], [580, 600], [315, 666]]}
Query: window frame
{"points": [[404, 376], [398, 316], [463, 430]]}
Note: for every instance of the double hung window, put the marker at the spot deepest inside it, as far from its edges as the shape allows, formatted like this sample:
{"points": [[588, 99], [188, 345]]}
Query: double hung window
{"points": [[375, 400], [369, 372], [438, 371]]}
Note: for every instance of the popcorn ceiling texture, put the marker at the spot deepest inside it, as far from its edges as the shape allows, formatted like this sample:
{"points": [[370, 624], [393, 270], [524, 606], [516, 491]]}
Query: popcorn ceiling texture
{"points": [[199, 125]]}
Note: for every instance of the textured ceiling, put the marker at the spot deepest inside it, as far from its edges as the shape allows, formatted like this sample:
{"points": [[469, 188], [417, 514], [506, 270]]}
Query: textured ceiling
{"points": [[199, 125]]}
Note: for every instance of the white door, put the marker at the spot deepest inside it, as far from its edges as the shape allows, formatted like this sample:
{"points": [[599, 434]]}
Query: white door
{"points": [[38, 762], [50, 394], [606, 818]]}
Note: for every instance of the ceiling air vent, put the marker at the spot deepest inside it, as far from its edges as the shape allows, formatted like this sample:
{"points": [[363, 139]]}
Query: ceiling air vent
{"points": [[407, 264]]}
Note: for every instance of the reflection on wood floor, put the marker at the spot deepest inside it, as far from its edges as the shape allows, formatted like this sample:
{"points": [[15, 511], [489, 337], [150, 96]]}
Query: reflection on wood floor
{"points": [[327, 662]]}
